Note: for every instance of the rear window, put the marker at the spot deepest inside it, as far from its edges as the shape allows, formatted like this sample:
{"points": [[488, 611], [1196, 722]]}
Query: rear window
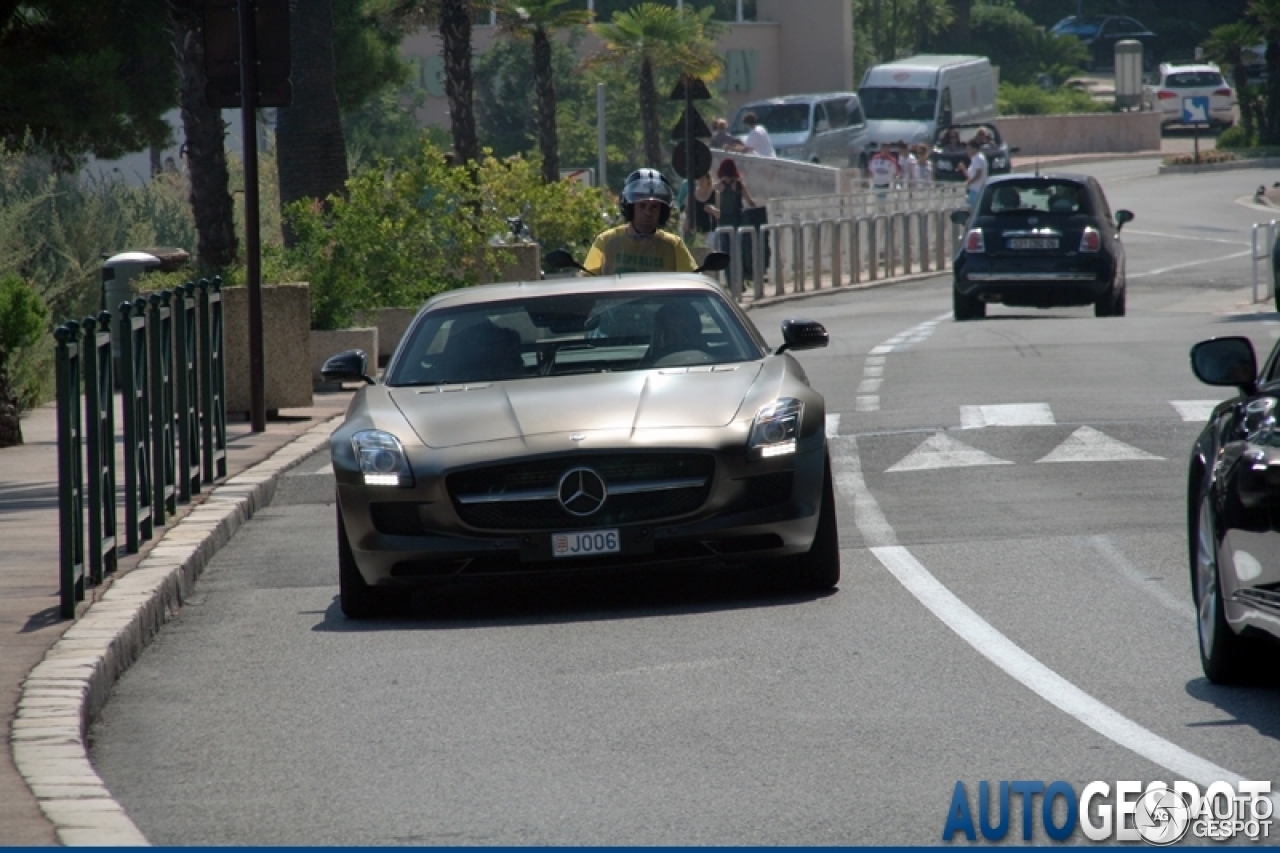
{"points": [[1194, 80], [1065, 197], [776, 118]]}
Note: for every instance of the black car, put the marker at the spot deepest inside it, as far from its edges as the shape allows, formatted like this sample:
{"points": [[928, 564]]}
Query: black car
{"points": [[1040, 241], [1233, 526], [950, 155], [1100, 34]]}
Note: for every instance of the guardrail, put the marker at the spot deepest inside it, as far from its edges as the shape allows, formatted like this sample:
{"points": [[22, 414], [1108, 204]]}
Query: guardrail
{"points": [[1265, 255], [172, 403], [804, 256]]}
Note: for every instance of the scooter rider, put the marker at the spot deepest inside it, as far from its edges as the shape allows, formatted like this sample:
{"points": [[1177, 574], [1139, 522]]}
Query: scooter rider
{"points": [[640, 245]]}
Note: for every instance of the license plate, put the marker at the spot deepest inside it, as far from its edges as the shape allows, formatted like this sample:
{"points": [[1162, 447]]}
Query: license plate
{"points": [[583, 543], [1033, 242]]}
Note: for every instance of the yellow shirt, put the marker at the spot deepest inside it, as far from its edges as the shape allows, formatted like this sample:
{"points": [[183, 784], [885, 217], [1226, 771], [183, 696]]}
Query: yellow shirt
{"points": [[618, 250]]}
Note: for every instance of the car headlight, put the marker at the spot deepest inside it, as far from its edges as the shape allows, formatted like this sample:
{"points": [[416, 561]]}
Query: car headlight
{"points": [[776, 428], [381, 458]]}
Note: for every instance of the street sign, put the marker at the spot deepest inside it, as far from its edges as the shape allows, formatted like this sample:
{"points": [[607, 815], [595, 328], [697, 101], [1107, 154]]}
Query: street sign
{"points": [[695, 90], [701, 159], [222, 53], [1195, 109], [699, 127]]}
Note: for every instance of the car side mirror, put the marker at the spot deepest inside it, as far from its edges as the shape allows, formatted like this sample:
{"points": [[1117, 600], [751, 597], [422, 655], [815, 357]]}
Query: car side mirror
{"points": [[714, 262], [800, 334], [561, 259], [349, 366], [1123, 216], [1227, 361], [959, 217]]}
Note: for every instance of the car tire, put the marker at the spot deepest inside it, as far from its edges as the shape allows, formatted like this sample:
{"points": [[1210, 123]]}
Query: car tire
{"points": [[357, 598], [1105, 304], [967, 307], [819, 569], [1225, 656]]}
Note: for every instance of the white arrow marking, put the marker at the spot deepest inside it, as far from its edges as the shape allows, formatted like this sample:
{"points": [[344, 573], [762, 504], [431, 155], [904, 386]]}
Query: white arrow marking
{"points": [[1017, 414], [943, 451], [1089, 445]]}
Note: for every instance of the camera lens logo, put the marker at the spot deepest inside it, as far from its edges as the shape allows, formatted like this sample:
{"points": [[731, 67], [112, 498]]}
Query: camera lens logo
{"points": [[1162, 817]]}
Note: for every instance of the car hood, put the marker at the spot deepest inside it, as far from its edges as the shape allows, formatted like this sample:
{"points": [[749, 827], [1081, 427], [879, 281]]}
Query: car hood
{"points": [[897, 130], [452, 416]]}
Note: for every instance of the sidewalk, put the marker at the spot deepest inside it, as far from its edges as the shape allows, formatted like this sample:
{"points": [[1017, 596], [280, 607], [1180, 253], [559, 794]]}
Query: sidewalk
{"points": [[38, 729]]}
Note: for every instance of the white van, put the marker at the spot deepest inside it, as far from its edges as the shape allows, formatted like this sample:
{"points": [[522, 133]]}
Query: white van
{"points": [[908, 100]]}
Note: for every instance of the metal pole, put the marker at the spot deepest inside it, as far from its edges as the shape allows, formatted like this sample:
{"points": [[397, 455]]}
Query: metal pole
{"points": [[601, 159], [252, 243]]}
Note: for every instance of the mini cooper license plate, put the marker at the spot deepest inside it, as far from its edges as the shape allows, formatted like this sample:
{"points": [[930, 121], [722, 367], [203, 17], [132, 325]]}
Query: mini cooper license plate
{"points": [[584, 543], [1033, 242]]}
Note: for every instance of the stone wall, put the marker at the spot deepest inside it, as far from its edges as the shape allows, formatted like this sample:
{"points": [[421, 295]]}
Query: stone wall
{"points": [[1085, 133], [286, 327]]}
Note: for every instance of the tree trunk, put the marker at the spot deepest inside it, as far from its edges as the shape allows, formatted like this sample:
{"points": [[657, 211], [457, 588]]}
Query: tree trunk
{"points": [[649, 116], [10, 423], [545, 85], [311, 153], [206, 157], [1269, 129], [455, 33]]}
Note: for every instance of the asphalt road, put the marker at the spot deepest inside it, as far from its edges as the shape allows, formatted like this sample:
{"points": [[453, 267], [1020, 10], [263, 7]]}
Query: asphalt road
{"points": [[1015, 606]]}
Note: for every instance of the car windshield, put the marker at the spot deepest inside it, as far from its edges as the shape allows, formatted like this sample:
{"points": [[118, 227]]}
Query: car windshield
{"points": [[777, 118], [1035, 196], [1082, 28], [1194, 80], [560, 334], [901, 103], [956, 139]]}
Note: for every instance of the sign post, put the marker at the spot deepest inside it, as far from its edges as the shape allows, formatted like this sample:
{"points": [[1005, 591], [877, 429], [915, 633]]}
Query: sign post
{"points": [[1195, 112], [688, 158]]}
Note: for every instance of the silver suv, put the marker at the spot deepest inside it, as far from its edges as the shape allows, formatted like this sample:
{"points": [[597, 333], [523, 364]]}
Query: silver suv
{"points": [[827, 128]]}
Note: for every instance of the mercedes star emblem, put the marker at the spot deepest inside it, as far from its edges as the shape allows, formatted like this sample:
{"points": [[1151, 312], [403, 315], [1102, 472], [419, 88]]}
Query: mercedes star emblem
{"points": [[581, 491]]}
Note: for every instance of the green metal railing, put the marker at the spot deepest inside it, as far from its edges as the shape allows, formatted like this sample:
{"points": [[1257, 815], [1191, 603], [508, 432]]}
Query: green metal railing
{"points": [[174, 425]]}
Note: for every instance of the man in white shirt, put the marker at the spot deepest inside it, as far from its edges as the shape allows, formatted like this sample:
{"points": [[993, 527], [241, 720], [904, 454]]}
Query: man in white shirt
{"points": [[758, 141], [975, 177]]}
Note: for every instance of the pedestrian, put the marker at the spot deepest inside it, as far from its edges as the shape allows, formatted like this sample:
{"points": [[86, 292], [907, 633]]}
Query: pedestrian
{"points": [[698, 231], [975, 174], [922, 171], [758, 141], [883, 171], [724, 140], [732, 198]]}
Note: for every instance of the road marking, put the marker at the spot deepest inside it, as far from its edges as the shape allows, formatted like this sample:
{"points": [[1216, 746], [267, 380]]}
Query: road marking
{"points": [[867, 404], [1184, 237], [1194, 410], [869, 386], [833, 425], [942, 451], [1198, 263], [1131, 573], [996, 647], [1017, 414], [328, 469], [1087, 444]]}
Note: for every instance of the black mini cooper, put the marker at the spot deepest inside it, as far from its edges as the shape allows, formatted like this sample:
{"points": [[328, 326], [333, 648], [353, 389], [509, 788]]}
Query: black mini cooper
{"points": [[1040, 241]]}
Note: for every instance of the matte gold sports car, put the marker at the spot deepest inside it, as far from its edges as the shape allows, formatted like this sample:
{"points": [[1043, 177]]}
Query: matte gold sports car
{"points": [[580, 425]]}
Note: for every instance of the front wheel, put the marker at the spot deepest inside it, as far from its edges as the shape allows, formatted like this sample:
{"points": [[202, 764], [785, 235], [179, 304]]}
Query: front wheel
{"points": [[819, 569], [358, 599], [1224, 656]]}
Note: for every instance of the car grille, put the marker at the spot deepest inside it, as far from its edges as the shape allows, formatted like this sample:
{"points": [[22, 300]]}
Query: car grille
{"points": [[642, 486]]}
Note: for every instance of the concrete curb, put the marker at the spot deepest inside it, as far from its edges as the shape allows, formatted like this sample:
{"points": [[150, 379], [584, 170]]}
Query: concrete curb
{"points": [[1230, 166], [64, 692]]}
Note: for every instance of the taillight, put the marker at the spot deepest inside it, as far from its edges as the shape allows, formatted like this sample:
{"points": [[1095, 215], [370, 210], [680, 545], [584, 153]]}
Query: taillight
{"points": [[974, 243], [1165, 94], [1090, 240], [1224, 92]]}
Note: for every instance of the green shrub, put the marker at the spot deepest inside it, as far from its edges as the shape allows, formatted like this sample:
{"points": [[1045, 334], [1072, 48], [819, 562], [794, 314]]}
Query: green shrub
{"points": [[24, 321], [407, 230], [1033, 101], [1236, 137]]}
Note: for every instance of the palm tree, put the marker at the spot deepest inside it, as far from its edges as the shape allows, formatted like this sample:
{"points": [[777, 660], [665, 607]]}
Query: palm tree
{"points": [[205, 148], [649, 36], [536, 20], [1226, 45], [452, 20], [312, 159], [1267, 14]]}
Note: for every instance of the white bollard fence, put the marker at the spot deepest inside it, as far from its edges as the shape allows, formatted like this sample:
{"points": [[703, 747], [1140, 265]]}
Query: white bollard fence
{"points": [[1269, 228], [822, 254]]}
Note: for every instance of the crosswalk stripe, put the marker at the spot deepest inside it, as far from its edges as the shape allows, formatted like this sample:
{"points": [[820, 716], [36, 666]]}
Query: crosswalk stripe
{"points": [[833, 426], [1194, 410], [1087, 444], [1016, 414], [942, 451]]}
